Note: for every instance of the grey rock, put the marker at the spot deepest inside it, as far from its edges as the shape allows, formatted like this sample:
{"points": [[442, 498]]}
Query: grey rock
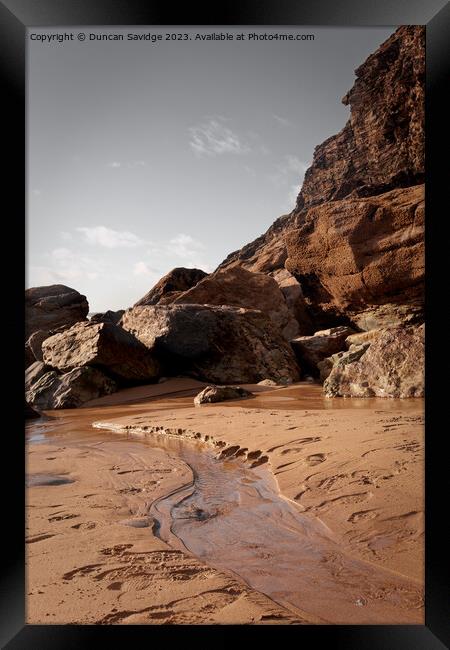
{"points": [[220, 394], [70, 390]]}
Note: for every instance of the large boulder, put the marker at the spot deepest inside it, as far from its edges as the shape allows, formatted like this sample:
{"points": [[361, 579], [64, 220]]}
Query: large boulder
{"points": [[241, 288], [352, 256], [311, 350], [212, 394], [217, 344], [48, 308], [391, 366], [70, 390], [342, 358], [171, 285], [105, 345]]}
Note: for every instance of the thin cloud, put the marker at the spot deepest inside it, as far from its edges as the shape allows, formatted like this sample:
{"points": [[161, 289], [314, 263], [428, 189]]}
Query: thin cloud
{"points": [[214, 138], [180, 250], [282, 121], [129, 164], [65, 265], [109, 238]]}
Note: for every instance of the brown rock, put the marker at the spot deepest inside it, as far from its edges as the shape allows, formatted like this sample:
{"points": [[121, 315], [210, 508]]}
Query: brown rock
{"points": [[240, 288], [217, 344], [35, 372], [70, 390], [105, 345], [220, 394], [392, 366], [382, 145], [362, 337], [107, 316], [354, 253], [360, 260], [177, 280], [354, 353], [265, 254], [311, 350], [293, 295], [390, 315], [47, 308], [35, 343]]}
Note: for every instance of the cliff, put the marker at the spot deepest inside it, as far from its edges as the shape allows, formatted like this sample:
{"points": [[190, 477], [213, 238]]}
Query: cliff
{"points": [[354, 240]]}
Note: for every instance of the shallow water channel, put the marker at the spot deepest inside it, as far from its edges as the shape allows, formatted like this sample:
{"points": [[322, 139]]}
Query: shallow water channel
{"points": [[234, 518]]}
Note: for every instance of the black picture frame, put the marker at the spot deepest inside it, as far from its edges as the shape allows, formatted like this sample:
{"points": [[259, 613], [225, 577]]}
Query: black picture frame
{"points": [[15, 17]]}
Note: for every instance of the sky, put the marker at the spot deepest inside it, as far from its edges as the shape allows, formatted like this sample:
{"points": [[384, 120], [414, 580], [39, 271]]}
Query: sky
{"points": [[146, 156]]}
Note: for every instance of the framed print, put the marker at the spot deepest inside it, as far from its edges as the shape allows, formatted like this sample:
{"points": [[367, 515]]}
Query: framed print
{"points": [[230, 225]]}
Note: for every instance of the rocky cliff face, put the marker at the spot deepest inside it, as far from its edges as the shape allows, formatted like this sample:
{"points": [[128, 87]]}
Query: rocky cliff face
{"points": [[382, 145], [355, 241]]}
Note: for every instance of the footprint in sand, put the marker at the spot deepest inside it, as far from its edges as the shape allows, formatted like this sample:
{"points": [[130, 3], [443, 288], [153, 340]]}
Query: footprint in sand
{"points": [[362, 515], [292, 450], [315, 459]]}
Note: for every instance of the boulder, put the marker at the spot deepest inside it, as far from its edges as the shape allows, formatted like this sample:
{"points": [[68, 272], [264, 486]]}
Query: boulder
{"points": [[241, 288], [171, 285], [107, 316], [362, 337], [392, 314], [70, 390], [105, 345], [354, 353], [391, 366], [35, 343], [311, 350], [220, 394], [220, 345], [47, 308], [35, 372], [355, 255]]}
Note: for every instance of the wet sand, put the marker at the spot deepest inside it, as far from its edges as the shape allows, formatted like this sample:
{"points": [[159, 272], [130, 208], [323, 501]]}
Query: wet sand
{"points": [[356, 466]]}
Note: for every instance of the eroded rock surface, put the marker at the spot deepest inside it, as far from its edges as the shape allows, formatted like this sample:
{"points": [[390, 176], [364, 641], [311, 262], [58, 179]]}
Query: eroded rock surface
{"points": [[241, 288], [171, 285], [391, 366], [69, 390], [354, 240], [104, 345], [311, 350], [54, 306], [217, 344]]}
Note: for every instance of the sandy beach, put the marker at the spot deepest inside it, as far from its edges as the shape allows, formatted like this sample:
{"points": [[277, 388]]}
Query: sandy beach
{"points": [[95, 555]]}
